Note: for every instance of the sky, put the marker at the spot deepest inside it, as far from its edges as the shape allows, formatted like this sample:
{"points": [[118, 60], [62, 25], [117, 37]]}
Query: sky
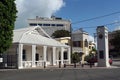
{"points": [[73, 10]]}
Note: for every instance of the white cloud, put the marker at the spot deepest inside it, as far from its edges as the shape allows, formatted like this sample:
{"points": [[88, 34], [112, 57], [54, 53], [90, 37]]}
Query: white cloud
{"points": [[32, 8], [91, 38], [117, 28]]}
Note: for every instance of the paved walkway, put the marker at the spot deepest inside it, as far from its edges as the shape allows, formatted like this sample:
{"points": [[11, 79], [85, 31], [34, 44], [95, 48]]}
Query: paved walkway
{"points": [[68, 67]]}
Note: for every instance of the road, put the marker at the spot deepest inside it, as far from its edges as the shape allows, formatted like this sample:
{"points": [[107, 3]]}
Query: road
{"points": [[62, 74], [86, 73]]}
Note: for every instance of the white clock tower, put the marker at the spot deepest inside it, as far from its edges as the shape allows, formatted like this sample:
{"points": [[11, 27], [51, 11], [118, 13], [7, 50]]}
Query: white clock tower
{"points": [[102, 47]]}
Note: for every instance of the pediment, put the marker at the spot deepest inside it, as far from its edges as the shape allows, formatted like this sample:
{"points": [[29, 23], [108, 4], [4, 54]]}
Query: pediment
{"points": [[39, 31]]}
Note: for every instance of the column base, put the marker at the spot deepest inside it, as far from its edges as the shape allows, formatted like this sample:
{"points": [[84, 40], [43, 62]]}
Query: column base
{"points": [[33, 66], [54, 64], [20, 67]]}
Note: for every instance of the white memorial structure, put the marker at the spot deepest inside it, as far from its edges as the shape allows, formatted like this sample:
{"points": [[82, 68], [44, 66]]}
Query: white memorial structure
{"points": [[102, 46]]}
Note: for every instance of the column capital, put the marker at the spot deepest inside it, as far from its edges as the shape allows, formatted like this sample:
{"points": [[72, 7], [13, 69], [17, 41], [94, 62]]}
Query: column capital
{"points": [[62, 48], [44, 46], [20, 45], [54, 47], [33, 45]]}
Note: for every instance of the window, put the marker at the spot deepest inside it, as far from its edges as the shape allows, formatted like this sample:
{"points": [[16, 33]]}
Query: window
{"points": [[65, 55], [86, 43], [66, 44], [24, 55], [60, 25], [33, 24], [37, 57], [89, 47], [52, 24], [76, 43], [46, 24], [40, 24]]}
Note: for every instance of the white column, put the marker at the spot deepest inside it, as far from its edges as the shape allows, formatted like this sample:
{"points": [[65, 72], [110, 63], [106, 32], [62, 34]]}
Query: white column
{"points": [[20, 53], [69, 56], [44, 53], [62, 51], [54, 55], [33, 55]]}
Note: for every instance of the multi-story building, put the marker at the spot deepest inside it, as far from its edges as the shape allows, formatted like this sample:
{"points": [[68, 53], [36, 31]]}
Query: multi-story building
{"points": [[111, 36], [80, 41], [50, 25], [112, 50]]}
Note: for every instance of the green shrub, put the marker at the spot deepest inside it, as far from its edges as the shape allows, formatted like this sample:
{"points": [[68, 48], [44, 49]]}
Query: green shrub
{"points": [[88, 57], [75, 57]]}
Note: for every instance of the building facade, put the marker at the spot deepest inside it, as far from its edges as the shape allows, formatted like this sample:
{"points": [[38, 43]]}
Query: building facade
{"points": [[80, 41], [33, 49], [91, 45], [64, 40], [112, 50], [111, 36], [50, 25]]}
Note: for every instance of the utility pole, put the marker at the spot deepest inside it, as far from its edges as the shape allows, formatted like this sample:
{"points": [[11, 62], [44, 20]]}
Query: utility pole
{"points": [[95, 35], [71, 38]]}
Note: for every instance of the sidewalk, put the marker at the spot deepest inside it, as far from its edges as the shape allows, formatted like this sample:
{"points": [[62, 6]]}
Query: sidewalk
{"points": [[74, 67], [65, 67], [81, 67]]}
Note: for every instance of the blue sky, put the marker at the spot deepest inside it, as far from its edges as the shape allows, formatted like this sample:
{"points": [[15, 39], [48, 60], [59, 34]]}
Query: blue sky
{"points": [[74, 10], [78, 10]]}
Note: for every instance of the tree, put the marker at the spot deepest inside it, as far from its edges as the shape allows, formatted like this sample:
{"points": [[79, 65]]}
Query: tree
{"points": [[7, 18], [116, 40], [61, 33], [75, 57]]}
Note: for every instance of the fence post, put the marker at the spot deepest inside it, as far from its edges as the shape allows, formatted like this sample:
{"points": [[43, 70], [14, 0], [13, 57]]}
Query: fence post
{"points": [[59, 64], [64, 65], [75, 65], [44, 64]]}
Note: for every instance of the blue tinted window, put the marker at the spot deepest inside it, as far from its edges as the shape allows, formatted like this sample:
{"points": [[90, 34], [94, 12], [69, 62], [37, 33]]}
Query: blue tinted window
{"points": [[52, 24], [46, 24], [33, 24], [60, 25], [40, 24]]}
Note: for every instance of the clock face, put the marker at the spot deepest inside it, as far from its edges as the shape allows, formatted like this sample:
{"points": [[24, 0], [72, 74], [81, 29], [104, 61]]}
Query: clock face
{"points": [[100, 36]]}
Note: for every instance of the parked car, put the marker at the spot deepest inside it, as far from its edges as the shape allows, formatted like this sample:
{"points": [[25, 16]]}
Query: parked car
{"points": [[94, 60]]}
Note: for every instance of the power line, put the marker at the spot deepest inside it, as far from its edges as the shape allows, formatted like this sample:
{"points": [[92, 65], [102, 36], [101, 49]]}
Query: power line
{"points": [[95, 18], [103, 25]]}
